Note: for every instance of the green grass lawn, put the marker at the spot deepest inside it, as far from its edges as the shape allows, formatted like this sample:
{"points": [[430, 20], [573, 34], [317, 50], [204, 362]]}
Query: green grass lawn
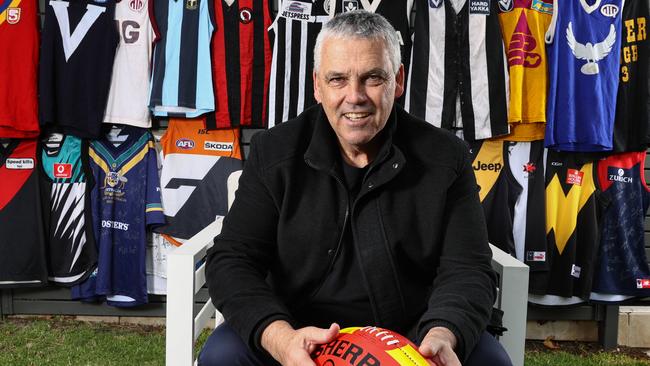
{"points": [[537, 358], [62, 341]]}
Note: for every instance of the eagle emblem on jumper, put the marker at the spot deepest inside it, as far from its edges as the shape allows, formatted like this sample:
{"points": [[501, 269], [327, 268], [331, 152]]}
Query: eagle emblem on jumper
{"points": [[591, 52]]}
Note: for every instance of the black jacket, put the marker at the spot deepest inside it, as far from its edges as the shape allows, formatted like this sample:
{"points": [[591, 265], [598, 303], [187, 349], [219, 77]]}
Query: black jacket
{"points": [[417, 223]]}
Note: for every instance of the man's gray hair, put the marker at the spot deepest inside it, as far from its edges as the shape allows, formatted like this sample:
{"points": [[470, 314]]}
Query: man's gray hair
{"points": [[360, 24]]}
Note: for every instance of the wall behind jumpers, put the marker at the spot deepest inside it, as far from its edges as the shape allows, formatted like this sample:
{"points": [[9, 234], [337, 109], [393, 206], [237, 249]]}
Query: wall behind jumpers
{"points": [[53, 300]]}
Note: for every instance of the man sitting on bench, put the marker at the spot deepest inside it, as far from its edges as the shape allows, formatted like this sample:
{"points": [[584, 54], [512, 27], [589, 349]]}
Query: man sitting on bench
{"points": [[354, 213]]}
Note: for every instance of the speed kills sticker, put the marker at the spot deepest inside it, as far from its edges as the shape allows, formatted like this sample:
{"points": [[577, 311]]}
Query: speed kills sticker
{"points": [[19, 163]]}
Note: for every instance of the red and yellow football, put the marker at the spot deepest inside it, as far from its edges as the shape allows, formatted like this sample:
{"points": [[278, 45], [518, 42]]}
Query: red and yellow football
{"points": [[368, 346]]}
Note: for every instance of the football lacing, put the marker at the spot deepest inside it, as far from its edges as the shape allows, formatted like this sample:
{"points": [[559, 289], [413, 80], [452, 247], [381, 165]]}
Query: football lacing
{"points": [[383, 335]]}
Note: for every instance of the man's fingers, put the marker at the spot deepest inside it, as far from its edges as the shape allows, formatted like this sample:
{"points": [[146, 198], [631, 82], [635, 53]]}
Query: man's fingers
{"points": [[438, 346], [333, 331], [439, 352], [430, 346], [320, 335], [448, 357], [444, 355], [432, 354], [428, 349]]}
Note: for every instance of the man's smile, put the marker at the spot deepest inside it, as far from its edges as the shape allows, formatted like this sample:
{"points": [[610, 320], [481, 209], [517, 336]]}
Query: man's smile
{"points": [[356, 116]]}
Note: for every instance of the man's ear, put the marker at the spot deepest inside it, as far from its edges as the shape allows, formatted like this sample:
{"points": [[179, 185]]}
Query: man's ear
{"points": [[399, 82], [316, 87]]}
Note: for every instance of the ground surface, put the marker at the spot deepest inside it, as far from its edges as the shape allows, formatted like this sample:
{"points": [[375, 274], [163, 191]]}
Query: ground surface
{"points": [[586, 350], [62, 340]]}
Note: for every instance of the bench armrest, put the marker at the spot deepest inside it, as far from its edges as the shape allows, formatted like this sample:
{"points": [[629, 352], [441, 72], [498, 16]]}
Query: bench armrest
{"points": [[512, 299], [184, 280]]}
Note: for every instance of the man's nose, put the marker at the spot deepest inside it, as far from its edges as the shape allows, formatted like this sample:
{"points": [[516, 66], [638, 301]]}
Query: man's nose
{"points": [[356, 92]]}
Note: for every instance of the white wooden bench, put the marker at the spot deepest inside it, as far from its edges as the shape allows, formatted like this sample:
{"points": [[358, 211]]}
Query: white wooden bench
{"points": [[184, 280]]}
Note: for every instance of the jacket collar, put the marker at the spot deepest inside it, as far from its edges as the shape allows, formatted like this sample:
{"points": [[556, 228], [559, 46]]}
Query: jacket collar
{"points": [[323, 152]]}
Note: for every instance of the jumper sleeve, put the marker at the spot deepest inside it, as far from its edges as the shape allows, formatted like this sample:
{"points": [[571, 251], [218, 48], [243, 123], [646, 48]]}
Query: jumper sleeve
{"points": [[154, 211]]}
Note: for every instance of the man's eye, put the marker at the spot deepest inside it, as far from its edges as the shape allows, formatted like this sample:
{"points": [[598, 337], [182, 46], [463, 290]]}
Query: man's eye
{"points": [[375, 79], [337, 80]]}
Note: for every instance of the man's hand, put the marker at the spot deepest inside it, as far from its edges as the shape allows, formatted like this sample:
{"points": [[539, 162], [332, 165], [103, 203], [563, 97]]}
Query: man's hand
{"points": [[438, 346], [293, 346]]}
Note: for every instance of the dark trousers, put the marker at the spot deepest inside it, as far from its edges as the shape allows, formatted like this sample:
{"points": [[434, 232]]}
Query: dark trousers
{"points": [[224, 347]]}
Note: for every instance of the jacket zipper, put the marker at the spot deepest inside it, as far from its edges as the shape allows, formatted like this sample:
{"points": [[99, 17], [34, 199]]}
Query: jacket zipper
{"points": [[338, 245]]}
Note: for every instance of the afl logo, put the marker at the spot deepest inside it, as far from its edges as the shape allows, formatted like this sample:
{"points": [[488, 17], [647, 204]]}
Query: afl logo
{"points": [[245, 15], [185, 144], [13, 15], [136, 5], [609, 10]]}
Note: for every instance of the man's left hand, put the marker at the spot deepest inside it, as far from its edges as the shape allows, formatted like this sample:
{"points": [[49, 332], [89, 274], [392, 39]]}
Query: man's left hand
{"points": [[438, 346]]}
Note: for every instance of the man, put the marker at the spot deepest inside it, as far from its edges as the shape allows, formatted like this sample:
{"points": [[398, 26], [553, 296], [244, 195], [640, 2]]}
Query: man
{"points": [[354, 213]]}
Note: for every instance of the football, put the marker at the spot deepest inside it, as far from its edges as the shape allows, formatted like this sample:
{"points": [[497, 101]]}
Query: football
{"points": [[368, 346]]}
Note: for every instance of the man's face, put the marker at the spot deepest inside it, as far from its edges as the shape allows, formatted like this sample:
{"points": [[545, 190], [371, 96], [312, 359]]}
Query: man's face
{"points": [[357, 88]]}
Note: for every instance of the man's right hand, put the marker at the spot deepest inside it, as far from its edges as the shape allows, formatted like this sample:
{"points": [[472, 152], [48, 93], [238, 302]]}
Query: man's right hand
{"points": [[293, 346]]}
